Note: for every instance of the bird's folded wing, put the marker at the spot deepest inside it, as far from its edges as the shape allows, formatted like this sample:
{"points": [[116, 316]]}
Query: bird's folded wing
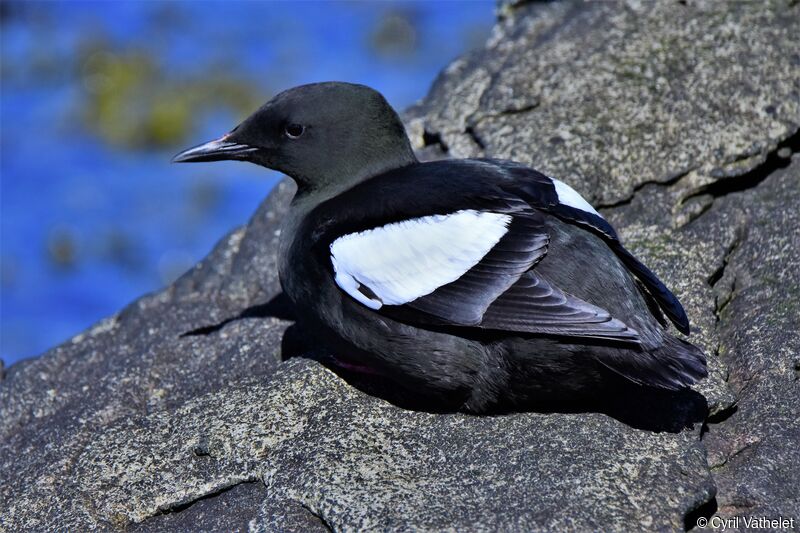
{"points": [[449, 266], [534, 305], [470, 268], [564, 202]]}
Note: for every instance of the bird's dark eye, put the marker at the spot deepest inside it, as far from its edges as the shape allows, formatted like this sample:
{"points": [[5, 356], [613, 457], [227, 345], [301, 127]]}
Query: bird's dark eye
{"points": [[293, 131]]}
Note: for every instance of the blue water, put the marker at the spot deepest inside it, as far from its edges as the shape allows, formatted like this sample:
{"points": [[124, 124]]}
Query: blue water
{"points": [[91, 218]]}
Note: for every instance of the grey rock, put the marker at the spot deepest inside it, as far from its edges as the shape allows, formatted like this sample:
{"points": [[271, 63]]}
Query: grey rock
{"points": [[752, 450], [185, 412], [357, 462], [610, 96], [232, 509]]}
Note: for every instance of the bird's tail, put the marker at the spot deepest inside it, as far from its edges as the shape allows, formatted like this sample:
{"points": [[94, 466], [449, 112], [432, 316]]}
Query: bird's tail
{"points": [[675, 365]]}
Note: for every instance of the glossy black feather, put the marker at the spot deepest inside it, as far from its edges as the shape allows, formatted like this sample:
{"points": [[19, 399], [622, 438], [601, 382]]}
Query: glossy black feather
{"points": [[534, 305], [537, 188], [674, 365]]}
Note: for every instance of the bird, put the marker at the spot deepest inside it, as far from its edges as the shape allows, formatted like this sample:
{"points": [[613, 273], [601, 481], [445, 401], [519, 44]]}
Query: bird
{"points": [[476, 283]]}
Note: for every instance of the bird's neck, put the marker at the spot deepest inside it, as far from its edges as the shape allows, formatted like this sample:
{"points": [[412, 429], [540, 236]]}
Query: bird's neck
{"points": [[338, 180]]}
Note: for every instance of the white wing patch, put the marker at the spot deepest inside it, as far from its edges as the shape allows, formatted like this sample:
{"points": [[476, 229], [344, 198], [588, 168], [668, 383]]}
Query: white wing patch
{"points": [[405, 260], [569, 196]]}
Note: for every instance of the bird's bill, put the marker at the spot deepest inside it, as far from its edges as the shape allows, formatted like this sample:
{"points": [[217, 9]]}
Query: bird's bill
{"points": [[218, 150]]}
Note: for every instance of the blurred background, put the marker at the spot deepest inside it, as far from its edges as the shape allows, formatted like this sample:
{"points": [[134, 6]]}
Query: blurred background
{"points": [[96, 97]]}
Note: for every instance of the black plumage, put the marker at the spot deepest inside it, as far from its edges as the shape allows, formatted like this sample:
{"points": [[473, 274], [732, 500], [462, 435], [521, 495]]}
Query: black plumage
{"points": [[542, 302]]}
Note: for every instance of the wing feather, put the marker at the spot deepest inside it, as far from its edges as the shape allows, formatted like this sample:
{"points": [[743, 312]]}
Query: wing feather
{"points": [[534, 305], [403, 261], [468, 269]]}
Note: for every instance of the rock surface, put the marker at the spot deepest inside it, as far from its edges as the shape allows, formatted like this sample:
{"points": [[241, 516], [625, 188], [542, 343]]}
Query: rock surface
{"points": [[183, 412]]}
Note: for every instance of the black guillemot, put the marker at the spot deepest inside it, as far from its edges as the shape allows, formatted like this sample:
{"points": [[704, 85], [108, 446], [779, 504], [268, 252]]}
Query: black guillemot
{"points": [[481, 281]]}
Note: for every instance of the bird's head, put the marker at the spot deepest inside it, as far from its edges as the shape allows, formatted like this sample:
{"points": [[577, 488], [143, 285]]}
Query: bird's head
{"points": [[322, 135]]}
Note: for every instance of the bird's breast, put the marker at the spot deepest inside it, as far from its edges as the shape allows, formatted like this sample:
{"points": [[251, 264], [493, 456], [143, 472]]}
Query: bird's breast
{"points": [[304, 278]]}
